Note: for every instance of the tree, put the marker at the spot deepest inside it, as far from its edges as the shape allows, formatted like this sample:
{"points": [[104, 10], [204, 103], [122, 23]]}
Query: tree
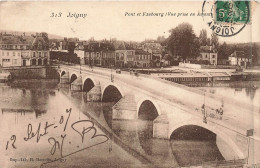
{"points": [[214, 40], [208, 41], [203, 37], [255, 55], [223, 51], [182, 41], [161, 39]]}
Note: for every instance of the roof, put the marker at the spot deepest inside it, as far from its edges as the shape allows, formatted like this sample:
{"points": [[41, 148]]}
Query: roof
{"points": [[239, 54], [121, 45], [99, 46], [11, 39], [216, 74], [40, 41], [180, 75], [207, 49], [92, 47], [141, 52]]}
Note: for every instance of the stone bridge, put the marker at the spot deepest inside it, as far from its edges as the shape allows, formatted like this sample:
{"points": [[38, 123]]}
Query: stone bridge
{"points": [[171, 107]]}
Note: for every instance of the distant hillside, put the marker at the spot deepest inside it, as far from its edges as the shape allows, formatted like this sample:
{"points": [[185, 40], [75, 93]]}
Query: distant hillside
{"points": [[51, 36]]}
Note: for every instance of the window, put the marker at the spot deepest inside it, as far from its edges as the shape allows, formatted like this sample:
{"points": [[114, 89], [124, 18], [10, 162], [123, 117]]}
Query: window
{"points": [[33, 54], [14, 61], [213, 56], [40, 54], [7, 54], [206, 56], [13, 53], [18, 54]]}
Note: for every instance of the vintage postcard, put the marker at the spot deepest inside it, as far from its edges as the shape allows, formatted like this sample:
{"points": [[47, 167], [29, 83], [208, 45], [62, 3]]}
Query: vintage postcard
{"points": [[129, 84]]}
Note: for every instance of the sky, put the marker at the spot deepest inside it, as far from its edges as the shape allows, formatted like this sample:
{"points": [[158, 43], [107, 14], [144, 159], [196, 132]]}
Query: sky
{"points": [[108, 20]]}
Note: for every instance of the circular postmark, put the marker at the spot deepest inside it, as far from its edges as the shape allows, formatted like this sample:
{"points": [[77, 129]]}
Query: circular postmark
{"points": [[227, 18]]}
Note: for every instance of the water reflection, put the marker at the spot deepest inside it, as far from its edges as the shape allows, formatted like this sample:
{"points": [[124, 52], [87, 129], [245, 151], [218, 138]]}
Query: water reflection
{"points": [[26, 97], [38, 113], [138, 135], [35, 100], [245, 91], [192, 145]]}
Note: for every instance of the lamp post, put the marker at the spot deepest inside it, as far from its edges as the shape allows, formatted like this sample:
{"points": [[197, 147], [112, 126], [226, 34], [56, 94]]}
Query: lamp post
{"points": [[80, 65], [249, 133], [203, 109], [112, 79]]}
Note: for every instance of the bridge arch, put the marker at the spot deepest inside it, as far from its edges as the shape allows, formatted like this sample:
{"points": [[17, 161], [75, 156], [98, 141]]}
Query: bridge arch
{"points": [[73, 77], [88, 84], [62, 73], [111, 93], [225, 137], [148, 104]]}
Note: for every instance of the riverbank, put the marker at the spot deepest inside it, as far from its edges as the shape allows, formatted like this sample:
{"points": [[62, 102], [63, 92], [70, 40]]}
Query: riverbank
{"points": [[32, 72]]}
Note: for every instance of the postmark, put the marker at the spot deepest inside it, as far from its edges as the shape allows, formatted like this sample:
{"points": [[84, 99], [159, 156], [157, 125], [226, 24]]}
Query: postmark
{"points": [[228, 18]]}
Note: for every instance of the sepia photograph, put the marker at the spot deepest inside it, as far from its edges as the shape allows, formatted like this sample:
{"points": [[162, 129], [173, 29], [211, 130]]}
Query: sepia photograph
{"points": [[139, 84]]}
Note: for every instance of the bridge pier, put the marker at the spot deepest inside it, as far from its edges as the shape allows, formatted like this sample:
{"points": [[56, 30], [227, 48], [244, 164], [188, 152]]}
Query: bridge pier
{"points": [[125, 108], [94, 94], [65, 79], [77, 84], [161, 127]]}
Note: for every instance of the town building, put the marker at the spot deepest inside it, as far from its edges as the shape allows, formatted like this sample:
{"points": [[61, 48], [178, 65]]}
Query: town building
{"points": [[40, 54], [142, 59], [124, 54], [209, 54], [107, 54], [80, 51], [239, 58], [93, 54], [22, 50]]}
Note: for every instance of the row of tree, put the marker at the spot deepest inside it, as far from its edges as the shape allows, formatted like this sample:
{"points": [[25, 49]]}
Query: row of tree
{"points": [[65, 57], [251, 51], [183, 43]]}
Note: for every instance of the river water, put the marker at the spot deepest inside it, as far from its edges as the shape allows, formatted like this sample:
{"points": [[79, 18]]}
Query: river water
{"points": [[28, 106]]}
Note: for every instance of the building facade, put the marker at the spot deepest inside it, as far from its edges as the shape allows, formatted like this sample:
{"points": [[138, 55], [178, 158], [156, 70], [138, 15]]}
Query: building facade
{"points": [[208, 53], [142, 59], [124, 55], [24, 50], [239, 58]]}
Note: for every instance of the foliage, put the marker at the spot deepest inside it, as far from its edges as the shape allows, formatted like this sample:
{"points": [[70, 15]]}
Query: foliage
{"points": [[203, 37], [251, 51], [63, 56], [183, 42], [214, 40]]}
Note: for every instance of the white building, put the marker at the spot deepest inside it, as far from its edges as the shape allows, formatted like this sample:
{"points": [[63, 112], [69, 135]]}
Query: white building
{"points": [[23, 50], [238, 58], [207, 53]]}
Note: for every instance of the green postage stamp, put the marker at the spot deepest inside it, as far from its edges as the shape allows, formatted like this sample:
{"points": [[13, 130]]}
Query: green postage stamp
{"points": [[233, 11]]}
